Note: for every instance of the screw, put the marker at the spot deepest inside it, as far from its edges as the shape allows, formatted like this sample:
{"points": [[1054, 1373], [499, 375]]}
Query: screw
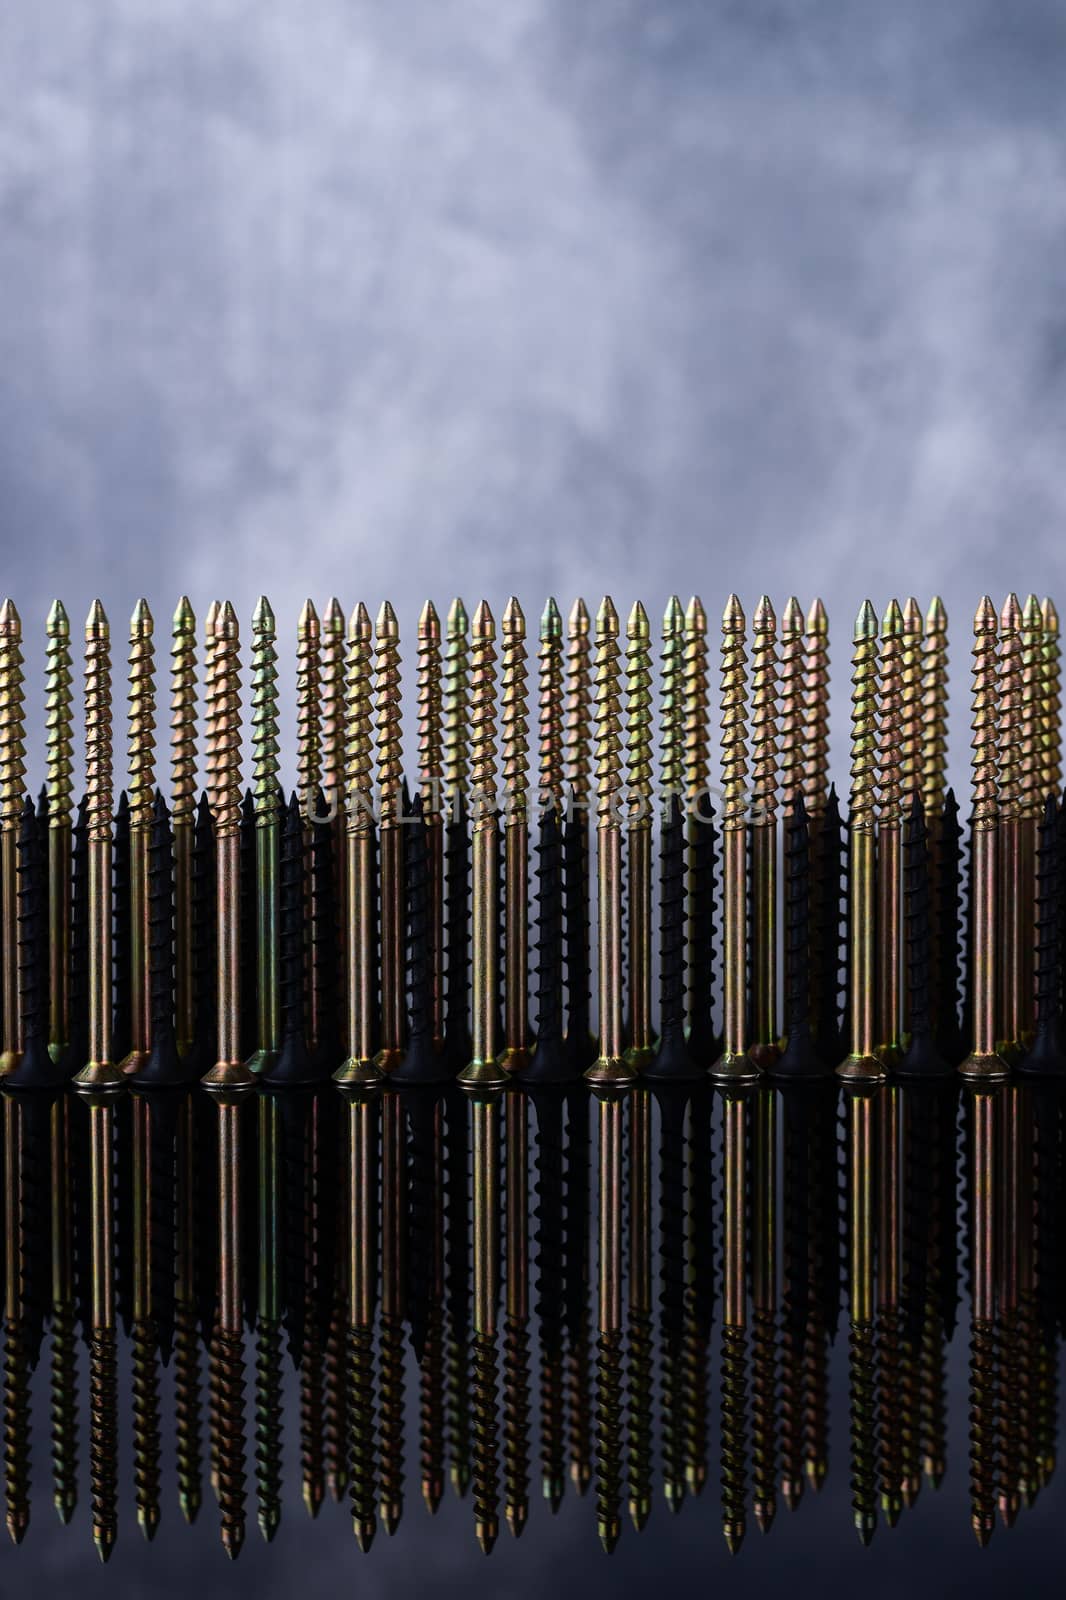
{"points": [[611, 1066], [764, 762], [484, 1072], [64, 1363], [1029, 792], [141, 745], [764, 1310], [1010, 869], [734, 1065], [390, 789], [59, 736], [891, 748], [734, 1321], [183, 809], [982, 1148], [431, 777], [638, 834], [12, 772], [265, 792], [984, 1062], [1048, 1053], [701, 837], [862, 1063], [359, 854], [640, 1308], [1050, 702], [516, 1322], [362, 1282], [934, 708], [861, 1104], [609, 1359], [515, 743], [576, 751]]}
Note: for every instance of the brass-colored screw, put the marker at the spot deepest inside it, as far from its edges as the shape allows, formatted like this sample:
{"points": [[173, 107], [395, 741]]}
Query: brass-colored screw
{"points": [[610, 1067], [791, 687], [889, 834], [359, 853], [1029, 803], [765, 1048], [183, 809], [224, 794], [862, 1063], [431, 783], [552, 771], [12, 772], [934, 713], [515, 746], [580, 1044], [578, 704], [697, 723], [910, 708], [984, 1062], [672, 710], [308, 706], [639, 763], [331, 681], [1012, 931], [390, 800], [456, 702], [1051, 704], [265, 793], [59, 735], [697, 779], [734, 1064], [141, 762], [816, 711], [484, 1072]]}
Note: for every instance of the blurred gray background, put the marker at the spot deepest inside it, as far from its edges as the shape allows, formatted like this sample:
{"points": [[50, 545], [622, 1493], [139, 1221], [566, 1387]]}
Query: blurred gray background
{"points": [[489, 295]]}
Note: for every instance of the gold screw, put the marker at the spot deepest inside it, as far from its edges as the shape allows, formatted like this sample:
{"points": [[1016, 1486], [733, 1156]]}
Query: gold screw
{"points": [[308, 720], [99, 1073], [672, 712], [552, 774], [934, 715], [1029, 791], [765, 1049], [697, 723], [12, 772], [1051, 704], [183, 809], [390, 797], [791, 687], [359, 856], [141, 738], [984, 1062], [59, 736], [1011, 928], [484, 1072], [264, 719], [431, 778], [734, 1064], [331, 679], [456, 702], [639, 761], [610, 1068], [224, 794], [910, 710], [578, 704], [816, 710], [889, 831], [862, 1064], [516, 836]]}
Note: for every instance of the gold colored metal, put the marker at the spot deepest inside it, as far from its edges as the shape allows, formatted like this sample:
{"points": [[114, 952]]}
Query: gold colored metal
{"points": [[696, 713], [1030, 760], [552, 771], [611, 1066], [515, 744], [578, 705], [672, 709], [331, 681], [765, 1047], [229, 1073], [1012, 932], [431, 782], [183, 810], [816, 711], [889, 836], [484, 1072], [638, 833], [59, 736], [99, 1074], [141, 762], [390, 801], [933, 754], [862, 1063], [984, 1062], [359, 1066], [265, 794], [1051, 704], [792, 758], [308, 706], [734, 1064], [12, 773], [456, 704]]}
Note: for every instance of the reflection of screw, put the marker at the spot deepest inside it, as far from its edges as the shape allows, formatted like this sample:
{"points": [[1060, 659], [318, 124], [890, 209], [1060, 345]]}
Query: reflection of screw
{"points": [[484, 1113], [609, 1380], [862, 1064], [861, 1106], [734, 1421], [734, 1064], [516, 1323], [640, 1334]]}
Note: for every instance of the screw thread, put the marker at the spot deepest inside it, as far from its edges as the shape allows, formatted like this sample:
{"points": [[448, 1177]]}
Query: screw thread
{"points": [[1030, 728], [183, 714], [578, 706], [388, 696], [610, 1393], [141, 720], [103, 1432], [482, 720], [16, 1430], [934, 708], [187, 1407], [1051, 703], [640, 1433], [359, 744], [32, 923], [516, 1391], [862, 1414], [227, 1402], [550, 1288], [431, 1410], [864, 740], [764, 752], [514, 714], [362, 1453], [816, 709], [891, 732], [672, 708], [99, 789], [910, 707], [146, 1424], [456, 700], [791, 691], [550, 655], [331, 680], [697, 700], [312, 1414], [608, 702], [638, 716], [764, 1416], [734, 1433], [268, 1425], [12, 731], [430, 727], [889, 1413], [1010, 709], [64, 1409], [224, 726], [734, 699], [485, 1474], [982, 1430], [264, 714], [308, 707], [390, 1421], [58, 721]]}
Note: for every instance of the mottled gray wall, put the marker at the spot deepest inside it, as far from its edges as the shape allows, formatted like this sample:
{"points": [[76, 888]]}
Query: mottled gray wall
{"points": [[531, 294]]}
